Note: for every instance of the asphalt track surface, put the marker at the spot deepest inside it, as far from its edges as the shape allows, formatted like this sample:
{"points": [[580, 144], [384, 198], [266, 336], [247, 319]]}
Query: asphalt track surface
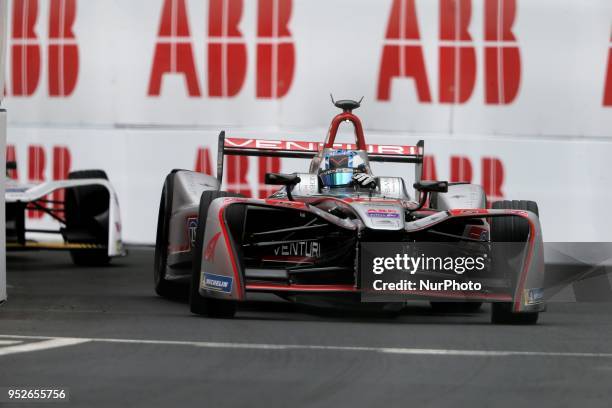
{"points": [[102, 334]]}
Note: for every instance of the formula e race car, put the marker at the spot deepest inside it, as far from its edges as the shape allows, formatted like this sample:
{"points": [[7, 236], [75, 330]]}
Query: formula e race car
{"points": [[304, 242], [88, 216]]}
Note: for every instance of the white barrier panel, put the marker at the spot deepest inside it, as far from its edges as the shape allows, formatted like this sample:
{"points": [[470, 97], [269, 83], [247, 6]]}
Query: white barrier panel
{"points": [[516, 94], [524, 67]]}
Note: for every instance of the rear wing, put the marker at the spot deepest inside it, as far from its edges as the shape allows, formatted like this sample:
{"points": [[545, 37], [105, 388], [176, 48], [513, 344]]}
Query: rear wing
{"points": [[308, 150]]}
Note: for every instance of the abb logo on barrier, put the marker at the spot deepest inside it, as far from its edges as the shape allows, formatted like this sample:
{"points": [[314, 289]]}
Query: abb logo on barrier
{"points": [[37, 161], [227, 50], [608, 87], [402, 55], [25, 49], [237, 172], [491, 170], [402, 52]]}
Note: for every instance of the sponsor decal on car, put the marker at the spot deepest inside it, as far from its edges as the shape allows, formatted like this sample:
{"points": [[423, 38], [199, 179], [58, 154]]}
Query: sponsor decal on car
{"points": [[309, 249], [217, 283], [384, 222], [192, 225], [17, 189], [292, 145], [383, 213], [534, 296]]}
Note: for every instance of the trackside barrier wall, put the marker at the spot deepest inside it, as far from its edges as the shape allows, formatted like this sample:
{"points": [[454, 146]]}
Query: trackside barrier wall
{"points": [[3, 32]]}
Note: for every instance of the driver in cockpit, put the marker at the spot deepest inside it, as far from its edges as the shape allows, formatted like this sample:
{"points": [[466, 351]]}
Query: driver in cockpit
{"points": [[345, 168]]}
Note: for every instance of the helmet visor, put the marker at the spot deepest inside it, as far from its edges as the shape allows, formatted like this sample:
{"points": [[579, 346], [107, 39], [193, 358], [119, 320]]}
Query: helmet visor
{"points": [[337, 178]]}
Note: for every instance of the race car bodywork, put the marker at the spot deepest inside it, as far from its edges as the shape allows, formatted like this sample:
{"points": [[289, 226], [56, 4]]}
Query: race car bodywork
{"points": [[89, 218], [304, 240]]}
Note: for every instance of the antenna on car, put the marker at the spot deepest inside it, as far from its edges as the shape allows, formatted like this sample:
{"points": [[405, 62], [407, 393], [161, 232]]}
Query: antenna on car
{"points": [[347, 105], [334, 102]]}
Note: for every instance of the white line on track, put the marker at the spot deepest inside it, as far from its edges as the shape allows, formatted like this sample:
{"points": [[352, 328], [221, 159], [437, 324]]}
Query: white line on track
{"points": [[9, 342], [52, 342], [46, 343]]}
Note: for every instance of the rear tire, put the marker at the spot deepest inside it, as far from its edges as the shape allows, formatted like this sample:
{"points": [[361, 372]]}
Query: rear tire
{"points": [[163, 287], [87, 218], [198, 304], [511, 229]]}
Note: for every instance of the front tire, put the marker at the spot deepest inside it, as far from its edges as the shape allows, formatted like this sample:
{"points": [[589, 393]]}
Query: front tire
{"points": [[163, 287], [511, 229], [87, 218], [198, 304]]}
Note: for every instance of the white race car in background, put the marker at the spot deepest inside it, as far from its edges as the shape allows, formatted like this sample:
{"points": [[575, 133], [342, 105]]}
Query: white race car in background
{"points": [[89, 218]]}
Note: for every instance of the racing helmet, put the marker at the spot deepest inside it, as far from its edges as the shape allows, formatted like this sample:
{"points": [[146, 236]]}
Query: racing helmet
{"points": [[337, 167]]}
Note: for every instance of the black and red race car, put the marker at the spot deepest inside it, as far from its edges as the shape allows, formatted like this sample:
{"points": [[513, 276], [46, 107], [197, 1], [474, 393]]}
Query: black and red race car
{"points": [[307, 241]]}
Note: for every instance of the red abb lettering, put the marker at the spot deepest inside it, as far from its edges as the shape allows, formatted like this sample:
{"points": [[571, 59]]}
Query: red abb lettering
{"points": [[275, 50], [173, 51], [502, 56], [267, 165], [237, 169], [227, 55], [608, 86], [429, 168], [63, 50], [61, 168], [457, 60], [492, 177], [11, 155], [203, 163], [401, 56], [36, 171], [461, 170], [25, 49]]}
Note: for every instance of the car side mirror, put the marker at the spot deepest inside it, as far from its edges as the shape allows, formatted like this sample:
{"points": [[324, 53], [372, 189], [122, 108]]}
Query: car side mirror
{"points": [[431, 186], [280, 179], [426, 187]]}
